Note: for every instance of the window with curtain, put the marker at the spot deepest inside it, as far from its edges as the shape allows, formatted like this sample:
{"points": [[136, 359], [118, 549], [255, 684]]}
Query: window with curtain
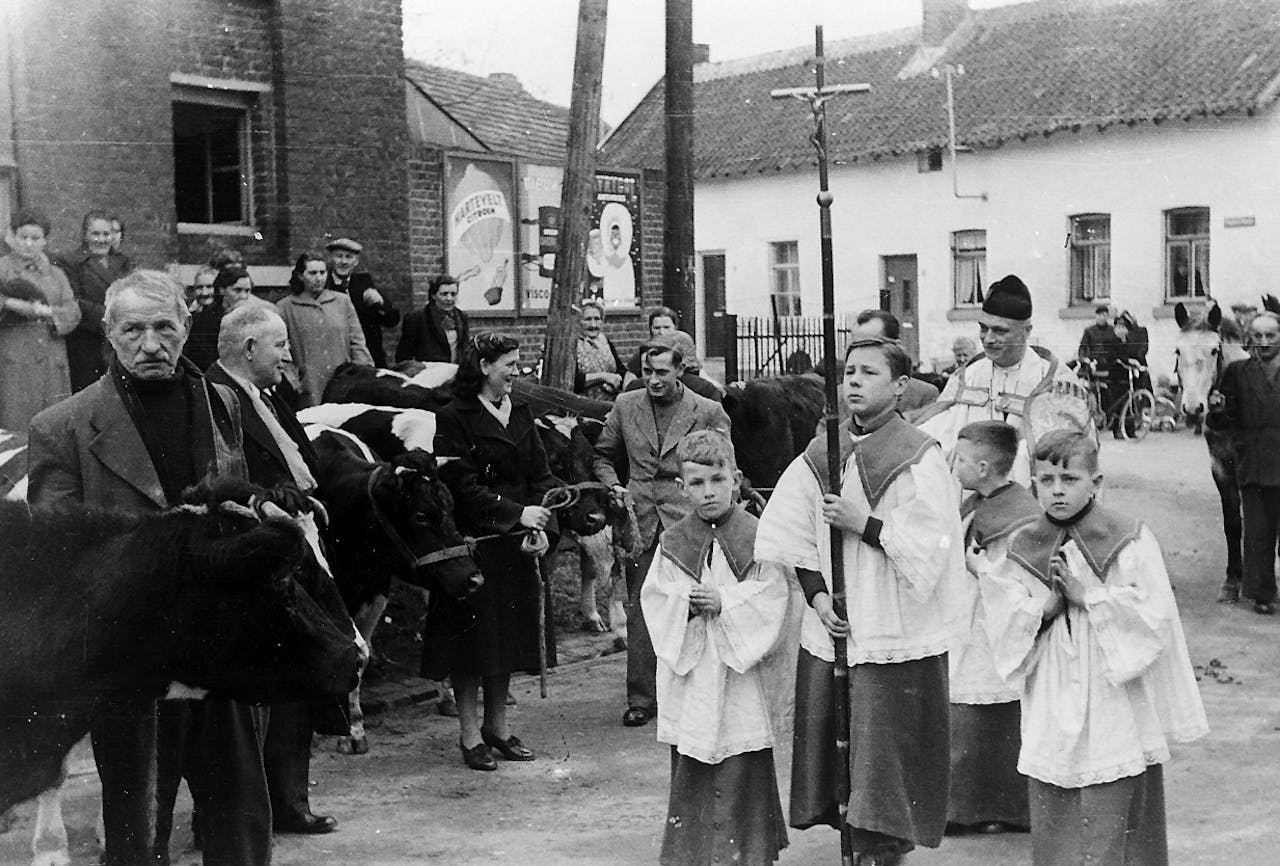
{"points": [[1090, 258], [784, 259], [968, 266], [1186, 253]]}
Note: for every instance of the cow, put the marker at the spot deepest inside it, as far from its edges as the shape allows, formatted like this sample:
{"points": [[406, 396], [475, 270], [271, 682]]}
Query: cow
{"points": [[773, 419], [96, 604], [13, 465], [358, 383], [386, 519]]}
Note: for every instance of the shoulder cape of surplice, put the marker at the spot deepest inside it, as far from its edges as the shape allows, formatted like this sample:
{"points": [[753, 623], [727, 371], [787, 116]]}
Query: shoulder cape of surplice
{"points": [[998, 515], [1101, 535], [686, 543], [881, 455]]}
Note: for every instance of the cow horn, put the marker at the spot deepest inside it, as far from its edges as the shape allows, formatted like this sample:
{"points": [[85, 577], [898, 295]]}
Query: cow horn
{"points": [[321, 513], [270, 509]]}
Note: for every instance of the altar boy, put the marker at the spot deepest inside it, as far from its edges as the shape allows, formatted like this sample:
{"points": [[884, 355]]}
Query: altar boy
{"points": [[898, 512], [1083, 609], [715, 617]]}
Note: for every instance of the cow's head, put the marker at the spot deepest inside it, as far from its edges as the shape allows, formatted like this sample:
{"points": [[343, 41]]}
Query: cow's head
{"points": [[567, 441], [239, 617], [414, 510]]}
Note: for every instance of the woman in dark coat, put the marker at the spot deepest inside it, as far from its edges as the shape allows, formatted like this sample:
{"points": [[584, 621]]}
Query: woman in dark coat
{"points": [[439, 331], [90, 270], [494, 463]]}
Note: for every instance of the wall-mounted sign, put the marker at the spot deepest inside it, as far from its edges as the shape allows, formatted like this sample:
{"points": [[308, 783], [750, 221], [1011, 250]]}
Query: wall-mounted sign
{"points": [[613, 245], [1239, 222], [480, 232], [539, 231]]}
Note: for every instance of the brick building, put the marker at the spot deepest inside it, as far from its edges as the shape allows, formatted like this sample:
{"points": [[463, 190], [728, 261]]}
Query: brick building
{"points": [[263, 125], [463, 127]]}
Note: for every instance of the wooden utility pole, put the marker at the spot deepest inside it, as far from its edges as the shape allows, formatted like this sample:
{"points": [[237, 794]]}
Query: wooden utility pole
{"points": [[817, 98], [679, 288], [576, 196]]}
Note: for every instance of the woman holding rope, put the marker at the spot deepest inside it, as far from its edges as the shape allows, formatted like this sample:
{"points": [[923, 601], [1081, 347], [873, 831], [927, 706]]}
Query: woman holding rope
{"points": [[495, 466]]}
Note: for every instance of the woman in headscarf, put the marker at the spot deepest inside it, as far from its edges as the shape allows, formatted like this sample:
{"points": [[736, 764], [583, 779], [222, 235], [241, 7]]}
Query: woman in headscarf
{"points": [[600, 373]]}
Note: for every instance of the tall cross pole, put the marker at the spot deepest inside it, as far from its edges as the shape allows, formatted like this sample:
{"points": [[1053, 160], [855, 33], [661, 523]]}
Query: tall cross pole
{"points": [[833, 369]]}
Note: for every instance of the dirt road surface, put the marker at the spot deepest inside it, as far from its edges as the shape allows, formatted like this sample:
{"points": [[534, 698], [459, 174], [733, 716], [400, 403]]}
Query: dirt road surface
{"points": [[597, 794]]}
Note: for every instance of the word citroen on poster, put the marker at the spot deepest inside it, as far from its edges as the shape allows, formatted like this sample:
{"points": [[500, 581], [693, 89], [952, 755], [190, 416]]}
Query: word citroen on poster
{"points": [[503, 235]]}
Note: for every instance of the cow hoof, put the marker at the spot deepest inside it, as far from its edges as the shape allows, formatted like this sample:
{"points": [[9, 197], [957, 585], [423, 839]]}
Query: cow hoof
{"points": [[594, 626], [447, 706], [353, 745], [1230, 592], [620, 644]]}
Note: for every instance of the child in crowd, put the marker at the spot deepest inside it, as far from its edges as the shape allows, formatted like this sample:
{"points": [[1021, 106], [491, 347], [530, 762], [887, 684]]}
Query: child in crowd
{"points": [[1082, 608], [898, 511], [715, 617], [988, 794]]}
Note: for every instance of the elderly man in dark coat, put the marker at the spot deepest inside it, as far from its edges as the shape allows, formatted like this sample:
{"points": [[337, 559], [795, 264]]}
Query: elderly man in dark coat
{"points": [[131, 442], [373, 309], [253, 346], [1248, 404], [641, 432]]}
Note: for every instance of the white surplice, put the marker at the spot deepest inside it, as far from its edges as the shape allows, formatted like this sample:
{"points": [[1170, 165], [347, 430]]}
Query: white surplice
{"points": [[972, 675], [1107, 687], [715, 698], [905, 598]]}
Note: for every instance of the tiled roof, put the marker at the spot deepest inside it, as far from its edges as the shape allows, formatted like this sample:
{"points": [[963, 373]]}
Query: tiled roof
{"points": [[1030, 69], [496, 110]]}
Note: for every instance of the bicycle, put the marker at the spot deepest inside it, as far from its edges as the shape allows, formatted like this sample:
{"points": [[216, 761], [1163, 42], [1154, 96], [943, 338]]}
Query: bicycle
{"points": [[1133, 413]]}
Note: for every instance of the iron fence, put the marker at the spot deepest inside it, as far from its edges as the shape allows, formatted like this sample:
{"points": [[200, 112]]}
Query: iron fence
{"points": [[769, 346]]}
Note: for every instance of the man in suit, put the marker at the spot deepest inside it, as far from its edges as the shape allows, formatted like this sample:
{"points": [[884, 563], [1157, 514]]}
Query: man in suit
{"points": [[643, 429], [1248, 404], [131, 442], [253, 348], [373, 310]]}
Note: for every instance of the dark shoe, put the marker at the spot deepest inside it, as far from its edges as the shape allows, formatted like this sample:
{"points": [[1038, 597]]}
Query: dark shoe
{"points": [[478, 757], [447, 706], [991, 828], [1266, 608], [305, 823], [636, 717], [511, 748], [1230, 592]]}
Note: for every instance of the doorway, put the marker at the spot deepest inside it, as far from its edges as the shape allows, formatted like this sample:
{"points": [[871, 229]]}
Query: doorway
{"points": [[900, 295], [713, 300]]}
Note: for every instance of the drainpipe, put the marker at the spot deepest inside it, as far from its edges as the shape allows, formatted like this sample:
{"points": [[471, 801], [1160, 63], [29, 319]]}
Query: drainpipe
{"points": [[947, 70]]}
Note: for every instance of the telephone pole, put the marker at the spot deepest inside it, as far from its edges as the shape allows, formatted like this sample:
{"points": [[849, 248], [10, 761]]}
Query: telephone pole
{"points": [[679, 288], [576, 196]]}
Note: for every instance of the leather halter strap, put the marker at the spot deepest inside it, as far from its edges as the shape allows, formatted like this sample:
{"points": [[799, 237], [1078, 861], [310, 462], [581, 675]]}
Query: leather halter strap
{"points": [[397, 540]]}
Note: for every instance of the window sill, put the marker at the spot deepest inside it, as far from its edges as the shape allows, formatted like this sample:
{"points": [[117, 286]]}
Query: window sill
{"points": [[964, 314], [1195, 306], [219, 229], [1080, 311]]}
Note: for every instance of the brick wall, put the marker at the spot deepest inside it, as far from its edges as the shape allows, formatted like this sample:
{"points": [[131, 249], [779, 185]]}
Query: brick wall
{"points": [[427, 256], [93, 118]]}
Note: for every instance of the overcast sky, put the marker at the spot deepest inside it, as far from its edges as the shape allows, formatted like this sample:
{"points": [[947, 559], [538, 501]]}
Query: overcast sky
{"points": [[534, 39]]}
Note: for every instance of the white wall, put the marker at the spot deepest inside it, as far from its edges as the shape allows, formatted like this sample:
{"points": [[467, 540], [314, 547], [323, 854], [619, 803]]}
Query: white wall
{"points": [[888, 208]]}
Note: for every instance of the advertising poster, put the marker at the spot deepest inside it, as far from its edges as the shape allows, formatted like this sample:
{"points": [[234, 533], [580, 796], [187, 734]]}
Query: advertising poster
{"points": [[613, 246], [480, 232], [539, 231]]}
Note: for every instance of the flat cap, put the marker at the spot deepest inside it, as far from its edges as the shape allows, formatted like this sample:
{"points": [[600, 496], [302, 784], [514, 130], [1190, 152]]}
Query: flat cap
{"points": [[344, 244]]}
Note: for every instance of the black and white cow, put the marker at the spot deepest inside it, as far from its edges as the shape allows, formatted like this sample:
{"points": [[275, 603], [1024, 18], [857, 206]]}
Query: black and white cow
{"points": [[356, 383], [96, 603], [387, 519], [13, 465]]}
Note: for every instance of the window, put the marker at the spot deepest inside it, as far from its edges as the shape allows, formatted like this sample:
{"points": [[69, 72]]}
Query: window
{"points": [[785, 284], [968, 266], [1090, 244], [211, 158], [1186, 253], [929, 160]]}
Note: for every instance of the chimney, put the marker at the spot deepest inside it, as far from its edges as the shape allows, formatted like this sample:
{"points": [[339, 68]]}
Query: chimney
{"points": [[701, 53], [941, 17], [507, 81]]}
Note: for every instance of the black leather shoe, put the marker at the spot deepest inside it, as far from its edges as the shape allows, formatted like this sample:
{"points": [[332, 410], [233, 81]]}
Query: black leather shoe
{"points": [[511, 748], [636, 717], [478, 757], [1266, 608], [305, 823]]}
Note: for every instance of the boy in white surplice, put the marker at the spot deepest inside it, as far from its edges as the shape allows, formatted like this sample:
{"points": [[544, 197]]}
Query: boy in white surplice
{"points": [[715, 617], [1081, 606]]}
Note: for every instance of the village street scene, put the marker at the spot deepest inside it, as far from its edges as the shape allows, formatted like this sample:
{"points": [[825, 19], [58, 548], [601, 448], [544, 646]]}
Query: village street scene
{"points": [[647, 431]]}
